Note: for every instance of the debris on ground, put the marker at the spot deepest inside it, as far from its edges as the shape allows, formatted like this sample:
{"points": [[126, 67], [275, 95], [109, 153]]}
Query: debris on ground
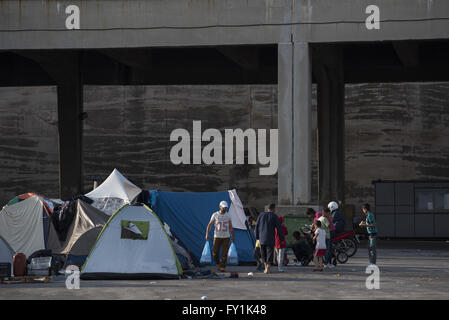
{"points": [[26, 279], [202, 274]]}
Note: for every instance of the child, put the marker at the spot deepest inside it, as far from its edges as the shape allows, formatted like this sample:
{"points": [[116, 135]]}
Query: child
{"points": [[326, 223], [320, 247], [280, 246], [370, 224]]}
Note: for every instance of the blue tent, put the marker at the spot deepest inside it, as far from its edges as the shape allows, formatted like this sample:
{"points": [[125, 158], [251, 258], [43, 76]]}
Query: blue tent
{"points": [[188, 215]]}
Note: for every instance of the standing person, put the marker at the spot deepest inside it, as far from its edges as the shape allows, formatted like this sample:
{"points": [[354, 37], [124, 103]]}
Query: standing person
{"points": [[313, 215], [223, 231], [337, 217], [333, 234], [371, 228], [325, 221], [332, 229], [267, 223], [320, 246], [258, 256], [251, 223], [281, 245]]}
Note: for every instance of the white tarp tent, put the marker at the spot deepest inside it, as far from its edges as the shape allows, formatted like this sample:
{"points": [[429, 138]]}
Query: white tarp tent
{"points": [[26, 227], [133, 244], [113, 193]]}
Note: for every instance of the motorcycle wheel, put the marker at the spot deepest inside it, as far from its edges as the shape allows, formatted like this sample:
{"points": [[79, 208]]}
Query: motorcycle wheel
{"points": [[342, 257], [350, 246]]}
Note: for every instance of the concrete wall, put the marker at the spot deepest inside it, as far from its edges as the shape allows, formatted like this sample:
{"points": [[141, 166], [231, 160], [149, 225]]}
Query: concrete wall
{"points": [[393, 131], [29, 160], [129, 128]]}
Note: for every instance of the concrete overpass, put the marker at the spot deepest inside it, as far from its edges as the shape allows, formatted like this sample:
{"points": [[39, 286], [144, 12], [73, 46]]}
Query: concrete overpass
{"points": [[289, 42], [29, 24]]}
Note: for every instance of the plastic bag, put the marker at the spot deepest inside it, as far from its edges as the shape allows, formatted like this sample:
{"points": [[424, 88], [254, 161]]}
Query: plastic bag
{"points": [[232, 255], [206, 257]]}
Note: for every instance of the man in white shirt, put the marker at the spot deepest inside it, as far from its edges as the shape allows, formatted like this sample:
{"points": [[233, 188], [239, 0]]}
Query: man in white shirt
{"points": [[223, 231]]}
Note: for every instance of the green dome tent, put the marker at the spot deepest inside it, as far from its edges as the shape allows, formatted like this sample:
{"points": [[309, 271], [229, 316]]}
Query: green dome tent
{"points": [[132, 245]]}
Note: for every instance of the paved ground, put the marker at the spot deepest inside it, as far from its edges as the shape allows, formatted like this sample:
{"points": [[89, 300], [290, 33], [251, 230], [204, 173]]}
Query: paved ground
{"points": [[408, 270]]}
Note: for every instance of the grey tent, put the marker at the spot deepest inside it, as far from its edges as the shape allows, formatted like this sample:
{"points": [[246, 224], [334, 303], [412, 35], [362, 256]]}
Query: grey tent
{"points": [[84, 244], [6, 253], [85, 219]]}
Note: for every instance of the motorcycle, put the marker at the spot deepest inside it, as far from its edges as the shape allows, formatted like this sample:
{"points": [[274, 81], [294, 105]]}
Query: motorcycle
{"points": [[347, 242]]}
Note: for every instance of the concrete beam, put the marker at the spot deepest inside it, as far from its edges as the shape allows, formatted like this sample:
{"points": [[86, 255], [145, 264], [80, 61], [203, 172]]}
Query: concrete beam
{"points": [[18, 71], [30, 24], [247, 57], [131, 58], [407, 52]]}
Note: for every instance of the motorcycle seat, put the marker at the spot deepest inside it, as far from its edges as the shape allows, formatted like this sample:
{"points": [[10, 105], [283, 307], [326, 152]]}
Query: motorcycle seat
{"points": [[343, 235]]}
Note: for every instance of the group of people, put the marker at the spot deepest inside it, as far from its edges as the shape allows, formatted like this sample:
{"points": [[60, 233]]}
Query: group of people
{"points": [[270, 234], [326, 225]]}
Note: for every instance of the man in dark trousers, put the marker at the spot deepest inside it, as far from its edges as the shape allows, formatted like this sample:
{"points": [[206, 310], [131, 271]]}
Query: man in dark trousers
{"points": [[337, 218], [267, 223], [370, 224]]}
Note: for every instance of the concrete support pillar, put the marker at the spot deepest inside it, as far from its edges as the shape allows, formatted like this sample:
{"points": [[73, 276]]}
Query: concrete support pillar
{"points": [[285, 125], [65, 70], [294, 123], [70, 111], [328, 70], [302, 124]]}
